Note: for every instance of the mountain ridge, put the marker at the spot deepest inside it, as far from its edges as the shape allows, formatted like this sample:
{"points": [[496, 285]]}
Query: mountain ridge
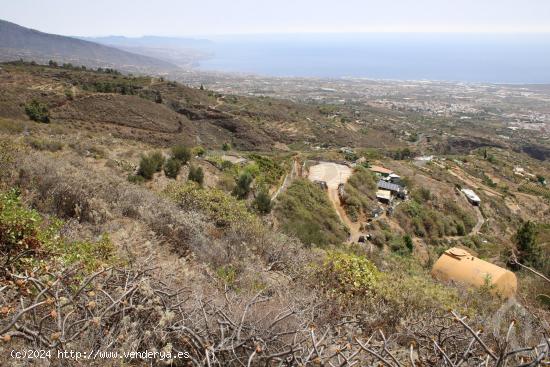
{"points": [[18, 42]]}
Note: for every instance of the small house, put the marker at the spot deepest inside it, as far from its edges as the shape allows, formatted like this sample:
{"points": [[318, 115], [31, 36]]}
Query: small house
{"points": [[471, 196], [459, 266]]}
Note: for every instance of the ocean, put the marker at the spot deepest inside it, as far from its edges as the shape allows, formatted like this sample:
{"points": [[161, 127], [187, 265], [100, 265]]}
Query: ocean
{"points": [[492, 58]]}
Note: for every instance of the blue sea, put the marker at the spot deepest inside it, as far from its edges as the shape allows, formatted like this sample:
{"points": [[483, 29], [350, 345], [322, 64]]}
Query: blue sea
{"points": [[494, 58]]}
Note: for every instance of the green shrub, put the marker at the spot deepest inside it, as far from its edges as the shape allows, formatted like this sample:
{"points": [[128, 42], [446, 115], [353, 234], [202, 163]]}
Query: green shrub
{"points": [[226, 165], [220, 207], [172, 168], [181, 153], [347, 276], [226, 147], [147, 167], [137, 179], [37, 111], [243, 185], [158, 160], [262, 202], [199, 151], [270, 171], [196, 174], [530, 252], [26, 236]]}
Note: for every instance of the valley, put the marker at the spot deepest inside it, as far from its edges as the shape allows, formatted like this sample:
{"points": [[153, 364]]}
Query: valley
{"points": [[215, 213]]}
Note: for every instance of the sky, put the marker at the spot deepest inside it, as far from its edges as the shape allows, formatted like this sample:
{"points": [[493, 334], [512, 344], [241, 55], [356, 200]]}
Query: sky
{"points": [[222, 17]]}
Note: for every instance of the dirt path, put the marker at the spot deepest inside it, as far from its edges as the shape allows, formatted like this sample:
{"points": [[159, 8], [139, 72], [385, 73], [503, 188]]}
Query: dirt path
{"points": [[294, 172], [475, 230], [354, 228], [334, 174]]}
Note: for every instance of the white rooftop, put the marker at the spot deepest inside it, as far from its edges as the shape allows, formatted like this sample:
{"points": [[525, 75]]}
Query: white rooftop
{"points": [[471, 195]]}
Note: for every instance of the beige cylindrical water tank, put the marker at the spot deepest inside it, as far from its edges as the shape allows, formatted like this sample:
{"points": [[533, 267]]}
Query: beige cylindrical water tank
{"points": [[460, 266]]}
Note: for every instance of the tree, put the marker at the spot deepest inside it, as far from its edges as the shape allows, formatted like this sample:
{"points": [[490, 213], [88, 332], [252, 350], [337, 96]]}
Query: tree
{"points": [[181, 153], [172, 168], [196, 174], [243, 185], [529, 252], [262, 202]]}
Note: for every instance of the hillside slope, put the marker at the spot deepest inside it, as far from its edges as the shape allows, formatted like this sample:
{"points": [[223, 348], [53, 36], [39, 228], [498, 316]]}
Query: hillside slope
{"points": [[159, 111]]}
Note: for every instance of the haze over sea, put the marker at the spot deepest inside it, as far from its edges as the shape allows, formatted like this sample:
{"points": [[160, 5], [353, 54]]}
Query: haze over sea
{"points": [[494, 58]]}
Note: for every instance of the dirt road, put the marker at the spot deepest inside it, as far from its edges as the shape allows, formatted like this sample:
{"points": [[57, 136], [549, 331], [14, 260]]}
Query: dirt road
{"points": [[334, 174]]}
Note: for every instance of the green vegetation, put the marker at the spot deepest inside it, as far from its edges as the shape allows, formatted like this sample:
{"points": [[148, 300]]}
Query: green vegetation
{"points": [[25, 231], [270, 171], [424, 220], [221, 208], [150, 164], [158, 160], [262, 202], [196, 174], [226, 147], [351, 278], [37, 111], [530, 252], [348, 275], [359, 193], [172, 167], [242, 188], [181, 153], [305, 212]]}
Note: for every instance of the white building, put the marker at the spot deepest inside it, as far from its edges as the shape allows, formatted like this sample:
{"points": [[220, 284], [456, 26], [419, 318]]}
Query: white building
{"points": [[472, 197]]}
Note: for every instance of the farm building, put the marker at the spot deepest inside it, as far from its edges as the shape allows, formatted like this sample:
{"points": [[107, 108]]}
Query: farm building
{"points": [[472, 197], [395, 189], [458, 265]]}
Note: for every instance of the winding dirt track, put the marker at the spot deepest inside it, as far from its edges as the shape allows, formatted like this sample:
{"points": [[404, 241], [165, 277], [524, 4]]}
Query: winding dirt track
{"points": [[334, 174]]}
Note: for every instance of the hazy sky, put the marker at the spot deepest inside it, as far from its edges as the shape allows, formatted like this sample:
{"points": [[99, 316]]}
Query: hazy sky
{"points": [[207, 17]]}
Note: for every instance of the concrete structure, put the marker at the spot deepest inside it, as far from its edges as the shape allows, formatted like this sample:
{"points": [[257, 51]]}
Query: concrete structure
{"points": [[459, 266], [384, 196], [472, 197]]}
